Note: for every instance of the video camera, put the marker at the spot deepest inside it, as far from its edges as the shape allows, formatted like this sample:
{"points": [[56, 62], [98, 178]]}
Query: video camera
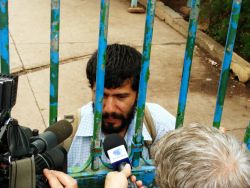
{"points": [[25, 153]]}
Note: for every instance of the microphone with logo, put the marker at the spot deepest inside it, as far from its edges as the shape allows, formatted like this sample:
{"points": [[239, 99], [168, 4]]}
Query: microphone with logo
{"points": [[115, 149]]}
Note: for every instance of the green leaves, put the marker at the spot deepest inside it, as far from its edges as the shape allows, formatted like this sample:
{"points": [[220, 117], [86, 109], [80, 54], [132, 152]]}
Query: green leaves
{"points": [[217, 12]]}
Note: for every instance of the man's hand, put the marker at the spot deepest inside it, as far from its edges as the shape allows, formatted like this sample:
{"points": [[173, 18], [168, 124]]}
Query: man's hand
{"points": [[58, 179], [119, 179]]}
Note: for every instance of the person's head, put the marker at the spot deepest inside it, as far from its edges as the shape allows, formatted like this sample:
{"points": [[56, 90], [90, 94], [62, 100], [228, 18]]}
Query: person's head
{"points": [[122, 75], [199, 156]]}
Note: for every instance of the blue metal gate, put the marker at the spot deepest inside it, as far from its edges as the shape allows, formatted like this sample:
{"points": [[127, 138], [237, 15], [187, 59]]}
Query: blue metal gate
{"points": [[93, 172]]}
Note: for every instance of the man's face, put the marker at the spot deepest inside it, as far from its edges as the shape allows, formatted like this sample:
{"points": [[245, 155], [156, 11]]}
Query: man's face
{"points": [[118, 108]]}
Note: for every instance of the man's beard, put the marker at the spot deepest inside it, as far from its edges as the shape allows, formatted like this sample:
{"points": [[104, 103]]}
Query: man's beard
{"points": [[108, 128]]}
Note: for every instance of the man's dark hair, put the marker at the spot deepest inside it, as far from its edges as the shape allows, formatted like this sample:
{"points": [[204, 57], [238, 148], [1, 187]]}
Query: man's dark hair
{"points": [[122, 63]]}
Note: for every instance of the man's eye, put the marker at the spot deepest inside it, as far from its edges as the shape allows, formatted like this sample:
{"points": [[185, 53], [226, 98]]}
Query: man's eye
{"points": [[122, 96]]}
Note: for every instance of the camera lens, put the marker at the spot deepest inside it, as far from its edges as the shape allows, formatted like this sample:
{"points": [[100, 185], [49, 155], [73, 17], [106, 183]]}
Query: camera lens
{"points": [[53, 159]]}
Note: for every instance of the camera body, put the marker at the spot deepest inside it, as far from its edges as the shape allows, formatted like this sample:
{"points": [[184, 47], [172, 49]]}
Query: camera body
{"points": [[16, 143]]}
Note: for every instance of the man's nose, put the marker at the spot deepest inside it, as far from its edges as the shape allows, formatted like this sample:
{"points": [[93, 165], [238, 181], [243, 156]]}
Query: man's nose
{"points": [[109, 105]]}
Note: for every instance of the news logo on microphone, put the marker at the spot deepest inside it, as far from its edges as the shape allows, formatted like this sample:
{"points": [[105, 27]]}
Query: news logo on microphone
{"points": [[115, 149], [118, 155]]}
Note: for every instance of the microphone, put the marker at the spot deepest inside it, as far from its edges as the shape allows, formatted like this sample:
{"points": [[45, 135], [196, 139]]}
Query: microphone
{"points": [[51, 137], [115, 148]]}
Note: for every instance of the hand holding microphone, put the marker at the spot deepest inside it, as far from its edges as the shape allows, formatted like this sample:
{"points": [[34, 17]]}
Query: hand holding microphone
{"points": [[120, 179], [115, 149]]}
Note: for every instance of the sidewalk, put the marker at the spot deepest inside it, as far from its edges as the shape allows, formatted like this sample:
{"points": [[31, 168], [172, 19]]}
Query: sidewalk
{"points": [[30, 38]]}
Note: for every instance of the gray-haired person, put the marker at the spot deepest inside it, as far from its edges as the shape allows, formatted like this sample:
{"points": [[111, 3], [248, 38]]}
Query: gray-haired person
{"points": [[201, 157]]}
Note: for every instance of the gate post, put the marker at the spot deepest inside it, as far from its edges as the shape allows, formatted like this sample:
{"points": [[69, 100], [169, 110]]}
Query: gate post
{"points": [[231, 35], [144, 76], [100, 75], [54, 59], [193, 22], [4, 37]]}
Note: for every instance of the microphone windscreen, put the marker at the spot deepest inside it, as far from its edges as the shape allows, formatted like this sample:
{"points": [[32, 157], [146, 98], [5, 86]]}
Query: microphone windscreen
{"points": [[111, 141], [62, 129]]}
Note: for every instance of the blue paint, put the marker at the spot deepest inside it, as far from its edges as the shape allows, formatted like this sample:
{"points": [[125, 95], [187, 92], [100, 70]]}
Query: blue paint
{"points": [[147, 178], [227, 59], [231, 35], [54, 55], [4, 44], [184, 81], [236, 7], [146, 54], [100, 75], [144, 76], [248, 144], [234, 25], [56, 13], [54, 104], [143, 85], [218, 114], [144, 173], [102, 46], [193, 30], [2, 6], [54, 58], [187, 62], [52, 90], [4, 37]]}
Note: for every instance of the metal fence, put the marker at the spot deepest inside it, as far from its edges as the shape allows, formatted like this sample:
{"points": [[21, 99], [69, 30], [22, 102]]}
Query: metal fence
{"points": [[102, 46]]}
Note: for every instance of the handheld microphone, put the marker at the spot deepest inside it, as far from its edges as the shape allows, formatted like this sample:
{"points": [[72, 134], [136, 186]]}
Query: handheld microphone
{"points": [[51, 137], [115, 148]]}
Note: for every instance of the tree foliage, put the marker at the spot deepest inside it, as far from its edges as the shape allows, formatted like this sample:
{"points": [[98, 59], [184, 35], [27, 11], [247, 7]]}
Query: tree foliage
{"points": [[217, 14]]}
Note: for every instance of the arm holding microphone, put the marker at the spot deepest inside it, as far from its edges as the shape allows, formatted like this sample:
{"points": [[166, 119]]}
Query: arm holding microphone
{"points": [[120, 179], [115, 148]]}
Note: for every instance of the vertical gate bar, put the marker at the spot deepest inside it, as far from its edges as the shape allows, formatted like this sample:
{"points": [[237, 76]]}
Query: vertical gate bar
{"points": [[231, 35], [133, 3], [193, 22], [100, 75], [189, 3], [247, 136], [54, 59], [144, 76], [4, 37]]}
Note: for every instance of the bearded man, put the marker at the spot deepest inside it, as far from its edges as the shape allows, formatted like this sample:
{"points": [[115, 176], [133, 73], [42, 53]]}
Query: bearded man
{"points": [[123, 66]]}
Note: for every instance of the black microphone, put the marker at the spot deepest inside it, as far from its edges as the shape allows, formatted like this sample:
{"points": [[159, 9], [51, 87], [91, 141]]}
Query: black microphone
{"points": [[115, 148], [51, 137]]}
